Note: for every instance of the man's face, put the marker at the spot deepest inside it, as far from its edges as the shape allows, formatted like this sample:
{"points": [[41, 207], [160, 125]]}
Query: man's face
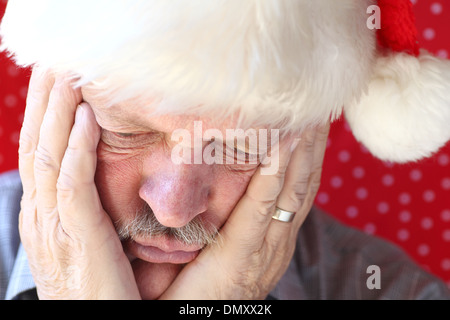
{"points": [[142, 188]]}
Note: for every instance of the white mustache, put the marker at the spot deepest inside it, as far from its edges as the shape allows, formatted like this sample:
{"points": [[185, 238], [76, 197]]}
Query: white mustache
{"points": [[146, 225]]}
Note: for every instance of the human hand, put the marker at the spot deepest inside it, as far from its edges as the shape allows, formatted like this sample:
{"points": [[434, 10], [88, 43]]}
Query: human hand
{"points": [[254, 250], [72, 246]]}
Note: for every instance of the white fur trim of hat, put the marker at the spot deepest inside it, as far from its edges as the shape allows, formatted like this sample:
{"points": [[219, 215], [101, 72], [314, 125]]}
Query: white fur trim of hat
{"points": [[289, 64]]}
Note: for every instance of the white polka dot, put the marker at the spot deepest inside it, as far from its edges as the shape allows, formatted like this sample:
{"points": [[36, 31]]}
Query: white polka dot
{"points": [[415, 175], [445, 183], [403, 234], [347, 127], [423, 249], [344, 156], [20, 117], [404, 216], [370, 228], [387, 180], [14, 137], [352, 212], [23, 92], [362, 193], [413, 1], [436, 8], [383, 207], [442, 54], [444, 159], [445, 215], [429, 196], [323, 197], [13, 71], [388, 164], [404, 198], [445, 264], [446, 235], [358, 172], [10, 100], [336, 182], [429, 34], [426, 223]]}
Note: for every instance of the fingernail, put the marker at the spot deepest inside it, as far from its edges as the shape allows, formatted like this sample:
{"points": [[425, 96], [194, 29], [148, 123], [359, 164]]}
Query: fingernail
{"points": [[295, 143], [79, 113]]}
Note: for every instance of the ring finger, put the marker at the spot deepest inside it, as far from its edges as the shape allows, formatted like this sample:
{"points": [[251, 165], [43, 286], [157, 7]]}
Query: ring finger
{"points": [[295, 185], [301, 180]]}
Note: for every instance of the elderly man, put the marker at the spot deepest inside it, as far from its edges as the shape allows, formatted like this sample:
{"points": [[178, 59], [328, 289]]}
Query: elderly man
{"points": [[113, 207]]}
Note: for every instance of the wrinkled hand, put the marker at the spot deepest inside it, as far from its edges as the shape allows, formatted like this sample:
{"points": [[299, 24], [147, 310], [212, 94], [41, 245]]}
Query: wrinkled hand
{"points": [[255, 250], [71, 244]]}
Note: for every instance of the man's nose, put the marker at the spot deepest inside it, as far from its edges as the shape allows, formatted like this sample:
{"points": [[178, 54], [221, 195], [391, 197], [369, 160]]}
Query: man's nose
{"points": [[177, 193]]}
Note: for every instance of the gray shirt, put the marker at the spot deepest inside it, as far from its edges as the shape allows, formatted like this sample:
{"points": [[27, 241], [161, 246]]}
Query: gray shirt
{"points": [[331, 261]]}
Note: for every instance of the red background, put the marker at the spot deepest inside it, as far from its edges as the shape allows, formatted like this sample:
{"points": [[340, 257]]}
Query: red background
{"points": [[406, 204]]}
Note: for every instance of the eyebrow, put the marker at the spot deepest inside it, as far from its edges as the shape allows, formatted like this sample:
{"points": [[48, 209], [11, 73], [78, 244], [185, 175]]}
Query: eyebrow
{"points": [[112, 114], [112, 120]]}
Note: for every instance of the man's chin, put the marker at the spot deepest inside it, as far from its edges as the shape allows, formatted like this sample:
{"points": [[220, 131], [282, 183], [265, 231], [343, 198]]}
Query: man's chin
{"points": [[154, 278]]}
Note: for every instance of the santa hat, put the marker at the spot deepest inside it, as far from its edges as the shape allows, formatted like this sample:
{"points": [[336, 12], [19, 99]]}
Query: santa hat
{"points": [[288, 64], [405, 113]]}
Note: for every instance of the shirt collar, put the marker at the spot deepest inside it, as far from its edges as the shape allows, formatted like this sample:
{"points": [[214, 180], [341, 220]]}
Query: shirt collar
{"points": [[21, 279]]}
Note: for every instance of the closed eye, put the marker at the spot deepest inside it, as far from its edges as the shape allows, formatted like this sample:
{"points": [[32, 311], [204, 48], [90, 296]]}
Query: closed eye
{"points": [[124, 134], [241, 156], [129, 139]]}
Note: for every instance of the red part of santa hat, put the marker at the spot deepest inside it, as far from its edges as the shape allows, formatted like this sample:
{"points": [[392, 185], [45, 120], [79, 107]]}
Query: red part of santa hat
{"points": [[398, 31]]}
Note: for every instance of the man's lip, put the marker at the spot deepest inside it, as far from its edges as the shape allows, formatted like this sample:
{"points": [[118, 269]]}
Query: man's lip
{"points": [[162, 250], [167, 244]]}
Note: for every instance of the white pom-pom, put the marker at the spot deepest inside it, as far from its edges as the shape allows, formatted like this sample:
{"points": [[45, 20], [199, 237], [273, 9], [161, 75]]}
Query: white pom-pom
{"points": [[405, 115]]}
